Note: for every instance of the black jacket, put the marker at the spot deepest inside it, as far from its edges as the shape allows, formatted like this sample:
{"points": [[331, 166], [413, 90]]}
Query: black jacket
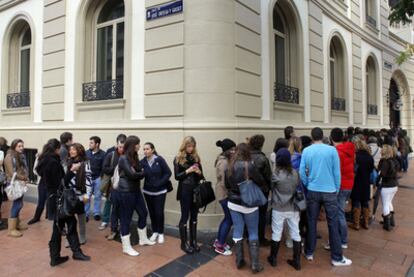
{"points": [[388, 171], [51, 171], [365, 165], [186, 182], [109, 165], [129, 177], [238, 176], [261, 162]]}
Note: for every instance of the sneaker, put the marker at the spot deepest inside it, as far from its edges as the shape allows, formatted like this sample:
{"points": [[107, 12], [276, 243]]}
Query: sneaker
{"points": [[161, 239], [223, 251], [309, 257], [154, 237], [345, 246], [111, 236], [103, 226], [328, 247], [226, 246], [343, 262], [289, 243]]}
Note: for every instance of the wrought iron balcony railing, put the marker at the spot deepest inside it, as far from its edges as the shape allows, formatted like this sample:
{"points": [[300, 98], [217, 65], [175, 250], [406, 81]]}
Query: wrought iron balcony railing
{"points": [[103, 90], [338, 104], [18, 100], [371, 21], [372, 109], [286, 94]]}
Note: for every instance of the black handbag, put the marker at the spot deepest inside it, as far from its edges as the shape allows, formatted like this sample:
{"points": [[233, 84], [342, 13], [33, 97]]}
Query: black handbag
{"points": [[169, 186], [203, 194], [299, 201], [67, 203]]}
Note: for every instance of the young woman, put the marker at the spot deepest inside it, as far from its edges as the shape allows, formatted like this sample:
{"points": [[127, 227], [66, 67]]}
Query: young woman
{"points": [[284, 185], [279, 144], [361, 190], [157, 174], [81, 180], [188, 172], [130, 195], [388, 168], [228, 147], [51, 172], [42, 195], [15, 162], [241, 169]]}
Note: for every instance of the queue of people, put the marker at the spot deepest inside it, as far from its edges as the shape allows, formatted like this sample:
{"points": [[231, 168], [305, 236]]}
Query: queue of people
{"points": [[331, 172]]}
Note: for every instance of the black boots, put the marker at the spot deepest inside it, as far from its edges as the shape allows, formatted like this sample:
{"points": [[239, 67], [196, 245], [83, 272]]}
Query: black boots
{"points": [[36, 218], [254, 256], [387, 222], [59, 260], [238, 247], [297, 249], [184, 243], [193, 237], [392, 220], [274, 249], [78, 255]]}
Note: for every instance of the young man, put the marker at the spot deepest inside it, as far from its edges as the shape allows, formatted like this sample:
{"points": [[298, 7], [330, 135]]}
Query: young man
{"points": [[320, 174], [263, 166], [66, 139], [346, 152], [96, 157]]}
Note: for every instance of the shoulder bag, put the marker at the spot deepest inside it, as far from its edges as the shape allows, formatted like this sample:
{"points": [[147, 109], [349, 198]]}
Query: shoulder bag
{"points": [[251, 195], [15, 189], [106, 180], [203, 194], [67, 202]]}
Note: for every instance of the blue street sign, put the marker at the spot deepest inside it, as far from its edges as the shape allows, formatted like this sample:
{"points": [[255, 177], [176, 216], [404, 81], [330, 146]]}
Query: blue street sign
{"points": [[163, 10]]}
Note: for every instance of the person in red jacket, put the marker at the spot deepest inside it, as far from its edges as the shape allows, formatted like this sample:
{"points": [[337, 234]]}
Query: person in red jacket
{"points": [[346, 152]]}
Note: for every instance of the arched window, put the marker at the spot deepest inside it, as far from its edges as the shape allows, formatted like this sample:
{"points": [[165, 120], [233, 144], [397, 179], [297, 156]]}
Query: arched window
{"points": [[371, 86], [337, 75], [286, 53], [24, 58]]}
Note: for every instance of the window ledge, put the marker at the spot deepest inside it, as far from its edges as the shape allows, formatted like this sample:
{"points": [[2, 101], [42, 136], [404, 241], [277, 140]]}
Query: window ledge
{"points": [[371, 27], [373, 116], [16, 111], [101, 105], [339, 113], [288, 106]]}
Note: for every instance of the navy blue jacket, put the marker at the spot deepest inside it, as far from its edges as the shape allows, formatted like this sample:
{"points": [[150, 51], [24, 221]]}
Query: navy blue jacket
{"points": [[157, 175], [96, 161]]}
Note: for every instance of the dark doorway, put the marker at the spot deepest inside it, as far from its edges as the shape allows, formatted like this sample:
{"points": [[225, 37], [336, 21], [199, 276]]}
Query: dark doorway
{"points": [[395, 105]]}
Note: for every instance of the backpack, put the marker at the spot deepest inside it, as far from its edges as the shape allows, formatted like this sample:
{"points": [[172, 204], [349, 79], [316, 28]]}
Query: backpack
{"points": [[115, 178]]}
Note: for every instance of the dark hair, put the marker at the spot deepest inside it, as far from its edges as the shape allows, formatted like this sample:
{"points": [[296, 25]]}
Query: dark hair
{"points": [[49, 148], [81, 173], [358, 131], [121, 138], [288, 132], [337, 135], [365, 132], [96, 139], [14, 144], [306, 141], [256, 142], [242, 154], [151, 145], [129, 150], [280, 143], [317, 134], [65, 137], [350, 131], [12, 151], [80, 150]]}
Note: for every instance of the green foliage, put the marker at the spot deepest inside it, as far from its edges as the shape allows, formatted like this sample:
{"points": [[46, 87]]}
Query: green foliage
{"points": [[401, 11]]}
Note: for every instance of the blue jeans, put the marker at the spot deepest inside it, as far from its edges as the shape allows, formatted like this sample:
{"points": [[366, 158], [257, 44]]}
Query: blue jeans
{"points": [[16, 208], [96, 191], [343, 196], [115, 203], [130, 202], [330, 202], [225, 224], [251, 220]]}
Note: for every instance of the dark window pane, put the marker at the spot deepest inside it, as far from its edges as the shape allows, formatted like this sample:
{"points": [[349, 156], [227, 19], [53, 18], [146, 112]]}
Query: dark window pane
{"points": [[277, 22], [120, 51], [332, 80], [113, 9], [27, 37], [280, 60], [104, 54], [24, 70]]}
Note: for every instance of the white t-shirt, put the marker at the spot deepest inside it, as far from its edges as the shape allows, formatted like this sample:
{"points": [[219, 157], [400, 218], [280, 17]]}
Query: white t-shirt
{"points": [[240, 208]]}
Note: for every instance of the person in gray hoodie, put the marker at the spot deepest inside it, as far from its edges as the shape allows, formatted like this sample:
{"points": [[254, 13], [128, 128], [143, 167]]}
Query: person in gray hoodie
{"points": [[285, 182]]}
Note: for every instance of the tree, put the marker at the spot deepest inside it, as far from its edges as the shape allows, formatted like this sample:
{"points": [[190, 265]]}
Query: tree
{"points": [[401, 12]]}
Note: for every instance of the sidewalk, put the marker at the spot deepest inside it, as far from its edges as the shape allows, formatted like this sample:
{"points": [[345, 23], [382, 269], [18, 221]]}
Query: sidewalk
{"points": [[373, 252]]}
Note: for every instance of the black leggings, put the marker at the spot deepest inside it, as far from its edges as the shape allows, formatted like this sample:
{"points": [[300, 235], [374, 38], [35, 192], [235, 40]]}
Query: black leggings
{"points": [[56, 239], [156, 204], [188, 209], [360, 204]]}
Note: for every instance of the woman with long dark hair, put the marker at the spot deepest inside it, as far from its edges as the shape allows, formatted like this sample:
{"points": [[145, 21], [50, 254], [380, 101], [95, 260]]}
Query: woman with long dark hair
{"points": [[51, 172], [15, 164], [188, 172], [241, 169], [157, 174], [130, 195]]}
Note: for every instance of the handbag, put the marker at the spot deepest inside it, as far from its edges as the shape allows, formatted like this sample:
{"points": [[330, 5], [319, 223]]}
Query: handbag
{"points": [[203, 194], [169, 186], [251, 195], [15, 189], [373, 176], [299, 201], [106, 180], [67, 203]]}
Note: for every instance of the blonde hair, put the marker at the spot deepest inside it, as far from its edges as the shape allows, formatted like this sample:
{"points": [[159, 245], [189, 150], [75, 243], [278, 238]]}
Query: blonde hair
{"points": [[387, 152], [182, 153], [295, 145], [360, 144]]}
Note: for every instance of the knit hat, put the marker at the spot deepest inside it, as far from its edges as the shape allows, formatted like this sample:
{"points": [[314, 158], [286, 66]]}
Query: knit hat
{"points": [[283, 157], [225, 144]]}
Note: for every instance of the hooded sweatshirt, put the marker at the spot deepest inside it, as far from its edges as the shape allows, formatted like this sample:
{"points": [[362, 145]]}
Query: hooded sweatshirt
{"points": [[346, 152]]}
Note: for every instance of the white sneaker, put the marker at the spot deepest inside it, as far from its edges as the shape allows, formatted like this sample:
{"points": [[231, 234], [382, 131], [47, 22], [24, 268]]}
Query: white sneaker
{"points": [[154, 237], [161, 238], [345, 246], [103, 226], [289, 243], [328, 247], [309, 257], [344, 262]]}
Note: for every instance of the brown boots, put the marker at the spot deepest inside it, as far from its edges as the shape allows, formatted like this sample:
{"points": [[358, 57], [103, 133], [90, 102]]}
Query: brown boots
{"points": [[12, 228], [366, 213], [356, 215]]}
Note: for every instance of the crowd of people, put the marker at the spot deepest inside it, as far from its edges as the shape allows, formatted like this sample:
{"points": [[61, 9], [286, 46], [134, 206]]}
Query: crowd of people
{"points": [[325, 172]]}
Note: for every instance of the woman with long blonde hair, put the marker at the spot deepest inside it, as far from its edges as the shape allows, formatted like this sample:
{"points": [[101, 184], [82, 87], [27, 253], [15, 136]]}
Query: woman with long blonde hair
{"points": [[188, 172]]}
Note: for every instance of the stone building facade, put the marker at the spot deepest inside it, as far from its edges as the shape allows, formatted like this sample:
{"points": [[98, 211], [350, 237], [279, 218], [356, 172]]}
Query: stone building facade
{"points": [[219, 68]]}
